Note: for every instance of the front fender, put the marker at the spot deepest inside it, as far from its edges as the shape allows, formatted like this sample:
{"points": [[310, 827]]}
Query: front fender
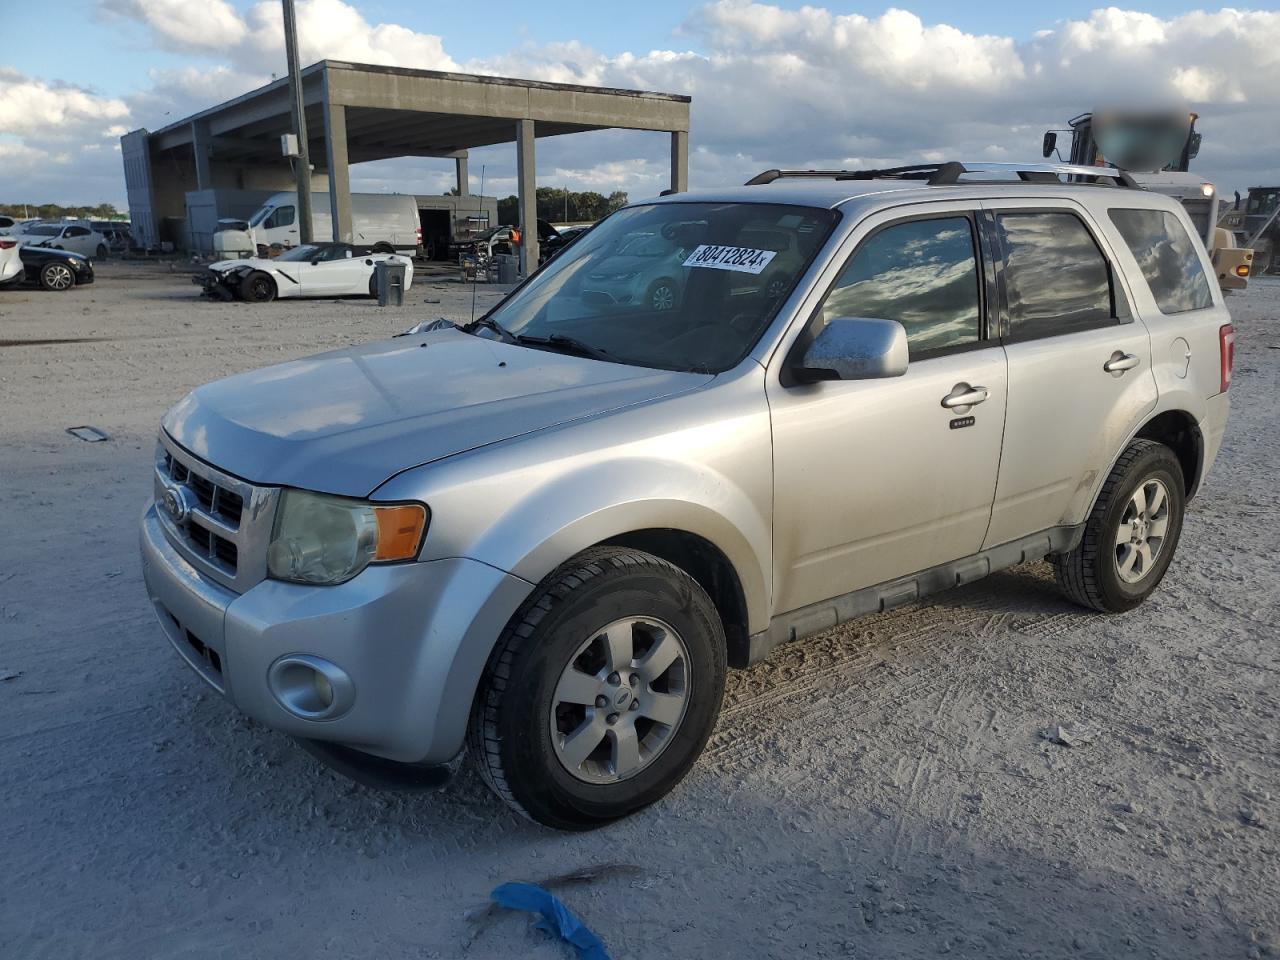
{"points": [[564, 518]]}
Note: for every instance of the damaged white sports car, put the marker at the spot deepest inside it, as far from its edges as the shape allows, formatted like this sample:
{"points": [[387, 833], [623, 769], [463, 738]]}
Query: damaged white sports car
{"points": [[310, 270]]}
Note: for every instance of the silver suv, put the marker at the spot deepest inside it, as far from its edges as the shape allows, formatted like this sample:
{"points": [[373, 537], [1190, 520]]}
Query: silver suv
{"points": [[543, 537]]}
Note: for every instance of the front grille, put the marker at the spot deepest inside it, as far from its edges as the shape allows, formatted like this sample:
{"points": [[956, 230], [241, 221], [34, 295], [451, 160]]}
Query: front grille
{"points": [[222, 525], [220, 502]]}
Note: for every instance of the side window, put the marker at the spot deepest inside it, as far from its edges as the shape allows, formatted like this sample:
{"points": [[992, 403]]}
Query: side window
{"points": [[1056, 279], [77, 232], [1167, 258], [280, 217], [922, 273]]}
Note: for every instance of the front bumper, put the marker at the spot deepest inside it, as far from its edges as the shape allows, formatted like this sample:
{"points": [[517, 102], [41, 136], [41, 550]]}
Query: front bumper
{"points": [[413, 638], [220, 286]]}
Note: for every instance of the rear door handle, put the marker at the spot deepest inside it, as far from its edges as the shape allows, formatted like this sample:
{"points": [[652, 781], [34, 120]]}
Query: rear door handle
{"points": [[1120, 362], [963, 395]]}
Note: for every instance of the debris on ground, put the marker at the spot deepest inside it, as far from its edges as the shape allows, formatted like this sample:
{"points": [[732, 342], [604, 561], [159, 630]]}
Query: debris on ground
{"points": [[90, 434], [1071, 734], [557, 919]]}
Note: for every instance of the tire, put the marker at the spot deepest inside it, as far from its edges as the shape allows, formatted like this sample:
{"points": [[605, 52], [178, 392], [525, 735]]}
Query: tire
{"points": [[373, 286], [101, 252], [57, 276], [383, 247], [521, 725], [258, 287], [661, 296], [1109, 570]]}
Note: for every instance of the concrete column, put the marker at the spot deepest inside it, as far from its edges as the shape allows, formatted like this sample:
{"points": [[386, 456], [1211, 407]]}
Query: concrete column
{"points": [[335, 140], [202, 149], [527, 191], [680, 161], [464, 177]]}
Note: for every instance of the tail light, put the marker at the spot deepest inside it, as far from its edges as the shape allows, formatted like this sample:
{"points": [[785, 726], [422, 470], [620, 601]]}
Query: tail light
{"points": [[1226, 353], [418, 232], [1242, 270], [6, 244]]}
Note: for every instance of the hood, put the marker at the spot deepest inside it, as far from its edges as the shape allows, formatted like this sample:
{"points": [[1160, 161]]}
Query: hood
{"points": [[51, 253], [347, 421], [247, 263]]}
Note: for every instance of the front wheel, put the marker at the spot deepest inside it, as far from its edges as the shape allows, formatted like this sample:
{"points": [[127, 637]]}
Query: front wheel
{"points": [[602, 692], [258, 288], [56, 275], [661, 295], [1131, 534], [101, 252]]}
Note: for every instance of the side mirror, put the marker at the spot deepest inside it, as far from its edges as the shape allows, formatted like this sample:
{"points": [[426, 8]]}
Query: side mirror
{"points": [[854, 348], [1193, 146], [1050, 143]]}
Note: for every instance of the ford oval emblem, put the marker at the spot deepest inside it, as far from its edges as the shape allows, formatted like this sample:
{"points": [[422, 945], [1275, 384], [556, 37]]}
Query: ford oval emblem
{"points": [[175, 503]]}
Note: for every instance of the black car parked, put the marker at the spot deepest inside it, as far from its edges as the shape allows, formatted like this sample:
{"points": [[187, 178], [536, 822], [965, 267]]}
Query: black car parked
{"points": [[53, 269]]}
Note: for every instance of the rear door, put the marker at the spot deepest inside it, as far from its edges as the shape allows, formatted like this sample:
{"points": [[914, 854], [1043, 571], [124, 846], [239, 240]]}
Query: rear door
{"points": [[877, 479], [1080, 379]]}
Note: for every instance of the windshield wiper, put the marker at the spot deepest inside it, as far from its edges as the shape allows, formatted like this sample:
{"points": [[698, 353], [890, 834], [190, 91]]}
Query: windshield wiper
{"points": [[561, 342], [506, 335]]}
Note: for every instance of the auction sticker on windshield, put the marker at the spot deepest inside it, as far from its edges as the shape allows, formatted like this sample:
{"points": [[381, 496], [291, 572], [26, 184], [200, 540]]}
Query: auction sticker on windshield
{"points": [[739, 259]]}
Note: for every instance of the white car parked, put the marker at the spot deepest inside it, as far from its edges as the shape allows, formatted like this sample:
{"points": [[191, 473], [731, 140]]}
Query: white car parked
{"points": [[10, 260], [310, 270], [75, 237]]}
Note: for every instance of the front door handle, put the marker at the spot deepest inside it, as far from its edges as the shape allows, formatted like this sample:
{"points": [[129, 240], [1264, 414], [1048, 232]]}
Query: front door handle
{"points": [[1120, 362], [963, 395]]}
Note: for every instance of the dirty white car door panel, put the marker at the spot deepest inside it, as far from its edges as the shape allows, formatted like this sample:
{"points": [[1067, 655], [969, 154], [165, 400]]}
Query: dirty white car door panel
{"points": [[1080, 380], [860, 450]]}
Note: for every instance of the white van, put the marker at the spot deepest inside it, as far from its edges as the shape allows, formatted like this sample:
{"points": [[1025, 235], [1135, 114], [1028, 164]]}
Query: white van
{"points": [[388, 222]]}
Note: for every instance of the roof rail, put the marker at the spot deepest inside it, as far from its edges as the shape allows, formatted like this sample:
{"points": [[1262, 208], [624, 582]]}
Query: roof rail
{"points": [[950, 172]]}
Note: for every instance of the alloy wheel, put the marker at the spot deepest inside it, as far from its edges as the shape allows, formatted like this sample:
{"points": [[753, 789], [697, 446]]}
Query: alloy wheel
{"points": [[59, 277], [1142, 531], [662, 298], [620, 700]]}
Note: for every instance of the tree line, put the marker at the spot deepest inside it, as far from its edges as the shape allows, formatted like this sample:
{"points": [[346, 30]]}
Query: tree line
{"points": [[564, 206], [55, 211]]}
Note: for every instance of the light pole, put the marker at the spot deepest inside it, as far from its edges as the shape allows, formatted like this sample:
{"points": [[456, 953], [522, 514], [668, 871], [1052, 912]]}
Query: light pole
{"points": [[303, 165]]}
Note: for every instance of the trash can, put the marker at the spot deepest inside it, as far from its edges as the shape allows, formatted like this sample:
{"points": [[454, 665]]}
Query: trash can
{"points": [[389, 281], [508, 267]]}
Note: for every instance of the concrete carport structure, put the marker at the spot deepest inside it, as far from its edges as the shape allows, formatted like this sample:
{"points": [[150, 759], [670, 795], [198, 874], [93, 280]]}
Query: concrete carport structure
{"points": [[360, 112]]}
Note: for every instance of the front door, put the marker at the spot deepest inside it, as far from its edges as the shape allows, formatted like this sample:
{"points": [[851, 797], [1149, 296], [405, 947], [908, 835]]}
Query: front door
{"points": [[1080, 379], [877, 479]]}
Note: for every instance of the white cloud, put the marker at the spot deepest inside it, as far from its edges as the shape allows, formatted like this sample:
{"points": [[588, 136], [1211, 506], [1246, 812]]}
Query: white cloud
{"points": [[770, 86]]}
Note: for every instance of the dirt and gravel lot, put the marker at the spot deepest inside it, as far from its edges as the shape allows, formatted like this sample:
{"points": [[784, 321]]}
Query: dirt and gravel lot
{"points": [[884, 790]]}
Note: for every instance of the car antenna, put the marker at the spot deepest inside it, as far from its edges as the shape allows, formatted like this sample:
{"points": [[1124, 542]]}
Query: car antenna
{"points": [[475, 277]]}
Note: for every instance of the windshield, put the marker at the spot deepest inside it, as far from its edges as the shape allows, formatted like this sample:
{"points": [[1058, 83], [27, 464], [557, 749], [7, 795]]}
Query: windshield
{"points": [[679, 286], [308, 251], [261, 215]]}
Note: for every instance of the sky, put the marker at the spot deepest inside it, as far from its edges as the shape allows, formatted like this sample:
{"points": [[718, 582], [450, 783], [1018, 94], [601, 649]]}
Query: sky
{"points": [[773, 84]]}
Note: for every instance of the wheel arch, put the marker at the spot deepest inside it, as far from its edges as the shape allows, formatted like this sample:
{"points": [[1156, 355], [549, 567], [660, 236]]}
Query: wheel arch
{"points": [[708, 565], [1179, 431]]}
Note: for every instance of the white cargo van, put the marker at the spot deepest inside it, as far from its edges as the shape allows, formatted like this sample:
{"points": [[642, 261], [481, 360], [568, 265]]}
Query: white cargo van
{"points": [[388, 222]]}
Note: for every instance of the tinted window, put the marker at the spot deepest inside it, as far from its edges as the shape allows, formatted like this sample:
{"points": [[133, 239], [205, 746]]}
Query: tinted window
{"points": [[1167, 258], [77, 232], [1056, 278], [923, 274]]}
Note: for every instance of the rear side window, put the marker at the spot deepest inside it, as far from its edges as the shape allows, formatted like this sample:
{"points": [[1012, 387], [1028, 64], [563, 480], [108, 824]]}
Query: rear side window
{"points": [[922, 273], [1167, 257], [1056, 279]]}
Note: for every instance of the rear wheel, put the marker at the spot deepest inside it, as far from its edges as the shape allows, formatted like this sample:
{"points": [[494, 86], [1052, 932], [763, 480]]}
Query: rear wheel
{"points": [[101, 252], [257, 287], [1131, 534], [56, 275], [383, 247], [602, 692]]}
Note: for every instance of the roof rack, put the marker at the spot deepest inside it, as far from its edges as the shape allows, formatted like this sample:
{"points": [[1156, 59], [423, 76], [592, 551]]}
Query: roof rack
{"points": [[949, 173]]}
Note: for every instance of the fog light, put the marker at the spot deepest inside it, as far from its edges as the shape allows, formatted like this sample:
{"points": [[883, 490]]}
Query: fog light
{"points": [[310, 687]]}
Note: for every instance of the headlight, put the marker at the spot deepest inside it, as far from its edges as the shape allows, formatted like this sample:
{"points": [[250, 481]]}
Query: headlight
{"points": [[323, 539], [1206, 189]]}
